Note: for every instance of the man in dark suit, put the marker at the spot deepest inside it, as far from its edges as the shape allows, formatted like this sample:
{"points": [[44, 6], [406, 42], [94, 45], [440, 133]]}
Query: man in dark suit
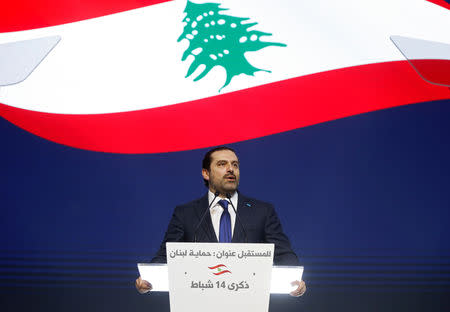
{"points": [[256, 222]]}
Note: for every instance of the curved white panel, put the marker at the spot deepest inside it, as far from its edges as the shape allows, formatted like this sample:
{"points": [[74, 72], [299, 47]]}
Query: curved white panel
{"points": [[20, 58]]}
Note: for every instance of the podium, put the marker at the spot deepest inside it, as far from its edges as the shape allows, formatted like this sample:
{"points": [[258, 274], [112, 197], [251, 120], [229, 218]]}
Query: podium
{"points": [[224, 277]]}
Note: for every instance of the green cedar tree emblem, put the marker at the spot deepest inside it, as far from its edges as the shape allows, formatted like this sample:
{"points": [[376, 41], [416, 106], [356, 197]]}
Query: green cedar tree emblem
{"points": [[217, 39]]}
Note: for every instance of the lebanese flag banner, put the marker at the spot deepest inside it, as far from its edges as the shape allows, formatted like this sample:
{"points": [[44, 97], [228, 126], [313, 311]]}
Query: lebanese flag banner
{"points": [[219, 269], [151, 76]]}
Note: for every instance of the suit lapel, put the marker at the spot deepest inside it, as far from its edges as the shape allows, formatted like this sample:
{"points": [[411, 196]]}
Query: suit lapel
{"points": [[206, 231]]}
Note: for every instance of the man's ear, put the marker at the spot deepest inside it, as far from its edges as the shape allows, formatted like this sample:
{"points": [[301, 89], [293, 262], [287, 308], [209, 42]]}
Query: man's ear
{"points": [[205, 174]]}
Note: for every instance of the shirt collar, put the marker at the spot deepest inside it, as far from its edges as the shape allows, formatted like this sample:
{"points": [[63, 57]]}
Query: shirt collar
{"points": [[234, 199]]}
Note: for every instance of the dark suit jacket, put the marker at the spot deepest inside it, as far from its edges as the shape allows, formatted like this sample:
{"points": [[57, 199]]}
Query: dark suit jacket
{"points": [[259, 220]]}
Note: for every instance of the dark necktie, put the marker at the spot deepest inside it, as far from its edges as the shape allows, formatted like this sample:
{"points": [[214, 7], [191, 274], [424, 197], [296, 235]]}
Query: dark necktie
{"points": [[225, 223]]}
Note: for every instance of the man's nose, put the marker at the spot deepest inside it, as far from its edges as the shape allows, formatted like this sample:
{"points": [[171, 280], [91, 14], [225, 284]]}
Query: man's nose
{"points": [[230, 168]]}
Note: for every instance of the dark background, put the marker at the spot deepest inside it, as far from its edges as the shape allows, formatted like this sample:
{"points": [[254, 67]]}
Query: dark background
{"points": [[365, 201]]}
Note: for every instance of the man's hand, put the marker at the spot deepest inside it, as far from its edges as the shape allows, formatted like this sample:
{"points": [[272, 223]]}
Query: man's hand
{"points": [[143, 286], [301, 289]]}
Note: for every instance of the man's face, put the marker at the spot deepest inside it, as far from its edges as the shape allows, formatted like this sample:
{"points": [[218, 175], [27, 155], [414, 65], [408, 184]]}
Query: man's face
{"points": [[223, 176]]}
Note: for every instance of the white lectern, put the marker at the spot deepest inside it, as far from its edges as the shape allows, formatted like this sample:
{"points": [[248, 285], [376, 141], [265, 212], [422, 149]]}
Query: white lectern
{"points": [[223, 277]]}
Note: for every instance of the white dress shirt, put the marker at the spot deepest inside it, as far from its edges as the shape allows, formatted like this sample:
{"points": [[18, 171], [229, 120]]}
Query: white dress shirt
{"points": [[216, 211]]}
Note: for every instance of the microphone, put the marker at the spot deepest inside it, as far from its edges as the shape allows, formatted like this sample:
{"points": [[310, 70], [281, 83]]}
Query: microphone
{"points": [[237, 217], [203, 216]]}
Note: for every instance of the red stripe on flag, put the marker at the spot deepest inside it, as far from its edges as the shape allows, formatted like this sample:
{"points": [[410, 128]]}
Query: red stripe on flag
{"points": [[28, 14], [217, 266], [435, 71], [441, 3], [236, 116], [20, 15]]}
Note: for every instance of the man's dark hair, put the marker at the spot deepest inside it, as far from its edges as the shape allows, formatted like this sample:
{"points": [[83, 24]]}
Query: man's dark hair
{"points": [[206, 163]]}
